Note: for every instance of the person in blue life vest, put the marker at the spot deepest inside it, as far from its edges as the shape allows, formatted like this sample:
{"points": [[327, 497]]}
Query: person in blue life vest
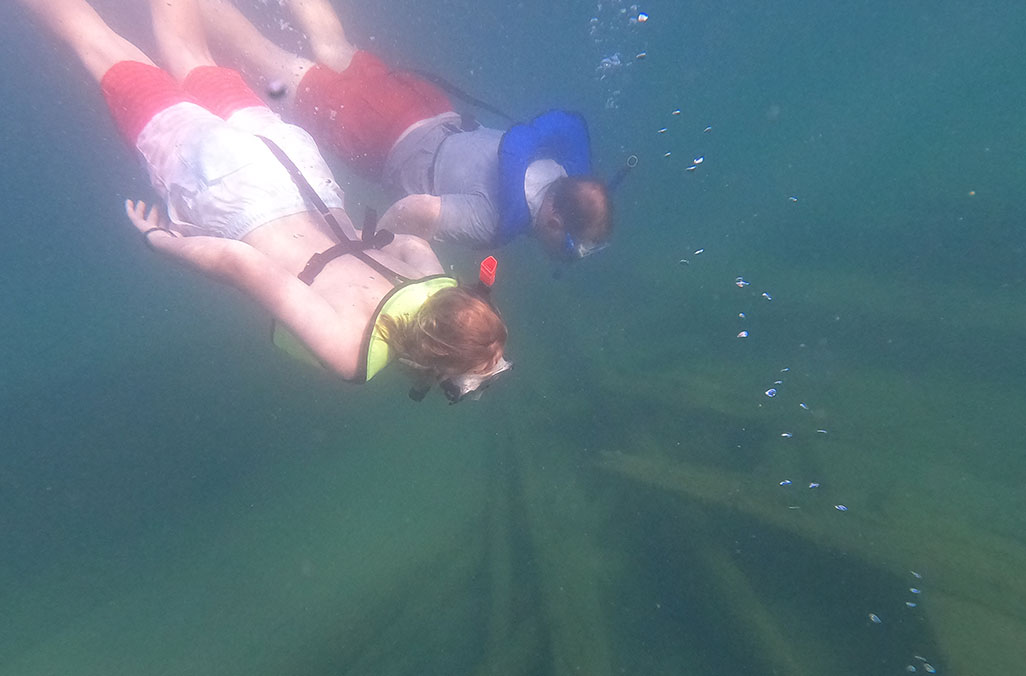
{"points": [[461, 182], [250, 202]]}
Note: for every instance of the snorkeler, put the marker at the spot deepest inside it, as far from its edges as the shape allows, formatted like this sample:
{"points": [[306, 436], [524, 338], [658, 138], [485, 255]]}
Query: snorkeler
{"points": [[251, 203], [461, 182]]}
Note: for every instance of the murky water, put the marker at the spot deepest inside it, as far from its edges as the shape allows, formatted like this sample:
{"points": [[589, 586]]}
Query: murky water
{"points": [[177, 499]]}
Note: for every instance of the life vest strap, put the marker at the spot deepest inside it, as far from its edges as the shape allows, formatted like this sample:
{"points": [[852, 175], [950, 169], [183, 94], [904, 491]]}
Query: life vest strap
{"points": [[371, 240]]}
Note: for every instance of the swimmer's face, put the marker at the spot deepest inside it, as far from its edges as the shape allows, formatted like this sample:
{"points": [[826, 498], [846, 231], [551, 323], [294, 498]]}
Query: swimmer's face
{"points": [[472, 384], [561, 244]]}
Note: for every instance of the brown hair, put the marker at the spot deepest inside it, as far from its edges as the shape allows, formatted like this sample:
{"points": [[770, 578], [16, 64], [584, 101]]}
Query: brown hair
{"points": [[584, 206], [454, 331]]}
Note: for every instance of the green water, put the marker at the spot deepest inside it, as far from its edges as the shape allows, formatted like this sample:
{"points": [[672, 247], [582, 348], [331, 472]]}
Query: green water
{"points": [[175, 498]]}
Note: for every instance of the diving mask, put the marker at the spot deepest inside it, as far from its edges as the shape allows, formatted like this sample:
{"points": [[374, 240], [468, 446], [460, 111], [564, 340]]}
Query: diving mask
{"points": [[574, 250], [459, 387]]}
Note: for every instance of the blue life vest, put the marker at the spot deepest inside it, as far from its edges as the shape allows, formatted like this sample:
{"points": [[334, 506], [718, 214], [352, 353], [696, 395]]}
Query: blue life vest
{"points": [[558, 135]]}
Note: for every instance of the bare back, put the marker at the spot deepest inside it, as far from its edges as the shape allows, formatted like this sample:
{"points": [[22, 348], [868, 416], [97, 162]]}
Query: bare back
{"points": [[350, 286]]}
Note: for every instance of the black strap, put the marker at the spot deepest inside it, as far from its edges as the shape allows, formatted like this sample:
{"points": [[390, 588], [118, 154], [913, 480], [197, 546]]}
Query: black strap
{"points": [[450, 88], [317, 262], [373, 240], [305, 189], [370, 235]]}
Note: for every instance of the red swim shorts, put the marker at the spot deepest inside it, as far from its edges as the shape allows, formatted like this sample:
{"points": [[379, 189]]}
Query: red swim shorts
{"points": [[135, 92], [361, 112]]}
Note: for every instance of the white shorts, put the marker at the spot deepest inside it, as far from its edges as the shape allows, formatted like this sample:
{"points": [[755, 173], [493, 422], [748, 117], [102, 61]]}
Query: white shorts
{"points": [[219, 179]]}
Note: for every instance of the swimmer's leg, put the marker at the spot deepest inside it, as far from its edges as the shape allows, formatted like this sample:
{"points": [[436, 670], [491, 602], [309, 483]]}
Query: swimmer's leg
{"points": [[246, 49], [94, 42], [181, 38], [324, 30]]}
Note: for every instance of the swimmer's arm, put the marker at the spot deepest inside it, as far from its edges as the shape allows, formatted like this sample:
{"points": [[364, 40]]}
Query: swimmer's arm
{"points": [[416, 253], [305, 313], [413, 215], [211, 256]]}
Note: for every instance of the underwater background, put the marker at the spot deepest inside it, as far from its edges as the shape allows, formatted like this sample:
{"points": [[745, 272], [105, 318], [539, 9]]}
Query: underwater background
{"points": [[177, 498]]}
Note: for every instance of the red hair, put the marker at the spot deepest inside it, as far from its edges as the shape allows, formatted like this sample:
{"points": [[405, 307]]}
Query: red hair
{"points": [[453, 332]]}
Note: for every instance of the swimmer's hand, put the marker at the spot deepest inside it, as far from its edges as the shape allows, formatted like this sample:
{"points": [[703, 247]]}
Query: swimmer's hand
{"points": [[153, 226], [216, 257]]}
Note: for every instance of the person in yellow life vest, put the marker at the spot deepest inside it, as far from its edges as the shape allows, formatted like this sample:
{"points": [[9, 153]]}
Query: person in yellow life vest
{"points": [[251, 203]]}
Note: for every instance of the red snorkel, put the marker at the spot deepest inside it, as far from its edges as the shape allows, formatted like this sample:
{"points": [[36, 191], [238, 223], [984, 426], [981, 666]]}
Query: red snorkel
{"points": [[485, 279], [487, 274]]}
